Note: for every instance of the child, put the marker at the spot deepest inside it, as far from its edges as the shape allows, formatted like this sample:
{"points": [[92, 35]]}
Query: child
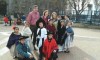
{"points": [[5, 20], [69, 38], [50, 47], [41, 36], [61, 31], [51, 27], [23, 49], [13, 40], [27, 32]]}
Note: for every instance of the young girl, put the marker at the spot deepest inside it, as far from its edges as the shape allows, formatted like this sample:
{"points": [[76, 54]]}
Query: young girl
{"points": [[70, 35], [13, 41], [41, 36], [27, 32], [51, 27]]}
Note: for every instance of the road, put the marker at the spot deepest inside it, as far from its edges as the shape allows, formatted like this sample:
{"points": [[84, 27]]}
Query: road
{"points": [[86, 44]]}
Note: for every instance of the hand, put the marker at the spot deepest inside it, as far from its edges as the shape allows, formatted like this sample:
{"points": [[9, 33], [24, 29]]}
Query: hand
{"points": [[54, 51], [31, 56]]}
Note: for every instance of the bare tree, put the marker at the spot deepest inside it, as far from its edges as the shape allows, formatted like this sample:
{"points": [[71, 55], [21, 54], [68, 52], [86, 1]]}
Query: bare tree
{"points": [[79, 6]]}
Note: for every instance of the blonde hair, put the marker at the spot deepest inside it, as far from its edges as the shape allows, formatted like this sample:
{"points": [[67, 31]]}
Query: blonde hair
{"points": [[53, 14], [45, 12]]}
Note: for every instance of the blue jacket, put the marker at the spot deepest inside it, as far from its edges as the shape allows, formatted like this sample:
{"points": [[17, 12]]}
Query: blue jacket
{"points": [[70, 30], [13, 39], [23, 49]]}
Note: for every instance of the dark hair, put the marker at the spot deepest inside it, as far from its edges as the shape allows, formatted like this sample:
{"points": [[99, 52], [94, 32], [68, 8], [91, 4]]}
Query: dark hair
{"points": [[35, 6], [15, 28]]}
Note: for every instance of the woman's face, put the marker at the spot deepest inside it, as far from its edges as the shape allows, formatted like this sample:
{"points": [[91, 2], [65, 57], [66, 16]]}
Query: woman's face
{"points": [[16, 30], [46, 13], [54, 16], [41, 25]]}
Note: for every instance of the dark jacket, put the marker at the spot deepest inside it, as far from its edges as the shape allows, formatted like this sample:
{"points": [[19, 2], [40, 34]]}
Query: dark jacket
{"points": [[60, 32], [13, 39], [23, 49]]}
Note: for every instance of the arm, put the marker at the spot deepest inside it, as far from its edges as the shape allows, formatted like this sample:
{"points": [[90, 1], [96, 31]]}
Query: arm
{"points": [[29, 18]]}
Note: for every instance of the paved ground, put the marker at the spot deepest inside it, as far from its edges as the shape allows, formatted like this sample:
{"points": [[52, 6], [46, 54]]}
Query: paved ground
{"points": [[86, 45]]}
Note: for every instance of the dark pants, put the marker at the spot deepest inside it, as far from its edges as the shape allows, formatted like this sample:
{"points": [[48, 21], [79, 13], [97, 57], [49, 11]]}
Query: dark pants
{"points": [[40, 49], [10, 22], [41, 53], [34, 33], [53, 56], [26, 59]]}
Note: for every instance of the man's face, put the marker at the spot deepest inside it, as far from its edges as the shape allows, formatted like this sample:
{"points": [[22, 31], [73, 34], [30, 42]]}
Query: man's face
{"points": [[35, 9]]}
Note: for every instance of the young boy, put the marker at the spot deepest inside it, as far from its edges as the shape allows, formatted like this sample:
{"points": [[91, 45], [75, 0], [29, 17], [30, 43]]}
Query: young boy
{"points": [[23, 49], [50, 47], [41, 36]]}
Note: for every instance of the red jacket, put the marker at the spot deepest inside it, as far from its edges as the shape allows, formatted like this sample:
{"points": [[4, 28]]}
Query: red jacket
{"points": [[49, 47], [5, 19]]}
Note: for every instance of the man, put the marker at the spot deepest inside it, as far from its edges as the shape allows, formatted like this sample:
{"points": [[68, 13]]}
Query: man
{"points": [[24, 52], [31, 20], [50, 48]]}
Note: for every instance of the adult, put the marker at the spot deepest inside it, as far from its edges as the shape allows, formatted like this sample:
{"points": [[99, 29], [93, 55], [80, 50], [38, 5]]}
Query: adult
{"points": [[32, 18], [54, 18], [46, 16]]}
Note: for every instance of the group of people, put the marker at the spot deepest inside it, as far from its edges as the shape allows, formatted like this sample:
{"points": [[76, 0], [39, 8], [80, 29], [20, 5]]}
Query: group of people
{"points": [[46, 34], [17, 21]]}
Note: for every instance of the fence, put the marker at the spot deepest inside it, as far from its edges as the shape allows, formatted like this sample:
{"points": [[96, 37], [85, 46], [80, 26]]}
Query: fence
{"points": [[85, 18]]}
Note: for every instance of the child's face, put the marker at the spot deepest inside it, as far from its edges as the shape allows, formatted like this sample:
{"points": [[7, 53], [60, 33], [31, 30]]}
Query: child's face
{"points": [[16, 30], [69, 24], [41, 25], [22, 41], [62, 23], [50, 36], [50, 22]]}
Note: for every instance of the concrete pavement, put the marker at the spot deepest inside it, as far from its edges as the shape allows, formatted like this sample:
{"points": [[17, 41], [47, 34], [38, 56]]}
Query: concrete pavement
{"points": [[86, 45]]}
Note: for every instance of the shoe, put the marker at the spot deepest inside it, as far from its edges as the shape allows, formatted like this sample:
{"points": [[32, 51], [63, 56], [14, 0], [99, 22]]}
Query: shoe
{"points": [[15, 57], [67, 51]]}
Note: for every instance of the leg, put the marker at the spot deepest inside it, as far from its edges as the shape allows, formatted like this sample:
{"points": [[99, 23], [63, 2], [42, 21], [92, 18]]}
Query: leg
{"points": [[41, 54], [34, 39]]}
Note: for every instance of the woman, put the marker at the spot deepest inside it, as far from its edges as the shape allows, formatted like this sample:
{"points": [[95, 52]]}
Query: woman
{"points": [[54, 18], [13, 41], [50, 27], [45, 16]]}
